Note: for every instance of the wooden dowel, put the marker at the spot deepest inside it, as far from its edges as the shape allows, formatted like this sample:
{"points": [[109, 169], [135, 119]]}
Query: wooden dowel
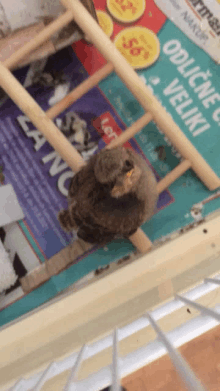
{"points": [[13, 42], [140, 240], [79, 91], [131, 131], [28, 105], [173, 175], [41, 38], [142, 93]]}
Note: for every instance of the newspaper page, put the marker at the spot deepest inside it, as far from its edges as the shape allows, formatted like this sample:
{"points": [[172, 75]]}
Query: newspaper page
{"points": [[198, 19]]}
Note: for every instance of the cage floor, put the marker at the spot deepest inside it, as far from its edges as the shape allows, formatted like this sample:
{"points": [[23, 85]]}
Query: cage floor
{"points": [[40, 178]]}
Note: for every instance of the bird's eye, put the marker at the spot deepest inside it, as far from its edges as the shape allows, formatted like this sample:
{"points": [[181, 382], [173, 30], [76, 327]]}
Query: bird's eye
{"points": [[128, 165]]}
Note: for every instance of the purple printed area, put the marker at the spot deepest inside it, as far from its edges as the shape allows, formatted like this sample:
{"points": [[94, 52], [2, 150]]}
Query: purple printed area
{"points": [[39, 176]]}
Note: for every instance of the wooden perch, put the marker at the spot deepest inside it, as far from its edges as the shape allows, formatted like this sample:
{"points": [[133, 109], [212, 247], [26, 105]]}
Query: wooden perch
{"points": [[173, 175], [29, 106], [131, 131], [79, 91]]}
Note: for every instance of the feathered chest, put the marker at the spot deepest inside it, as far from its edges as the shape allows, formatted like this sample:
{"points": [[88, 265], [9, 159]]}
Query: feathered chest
{"points": [[94, 198]]}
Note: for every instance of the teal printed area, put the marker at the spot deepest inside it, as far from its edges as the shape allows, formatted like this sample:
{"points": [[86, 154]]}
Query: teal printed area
{"points": [[187, 190], [182, 69]]}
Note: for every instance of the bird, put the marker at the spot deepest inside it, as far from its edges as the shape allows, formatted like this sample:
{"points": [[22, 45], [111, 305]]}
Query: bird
{"points": [[110, 197]]}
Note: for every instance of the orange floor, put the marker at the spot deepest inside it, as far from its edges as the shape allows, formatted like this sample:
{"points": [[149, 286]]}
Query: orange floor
{"points": [[202, 354]]}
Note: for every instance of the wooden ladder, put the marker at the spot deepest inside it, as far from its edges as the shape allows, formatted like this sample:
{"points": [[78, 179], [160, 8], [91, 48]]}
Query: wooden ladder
{"points": [[115, 62]]}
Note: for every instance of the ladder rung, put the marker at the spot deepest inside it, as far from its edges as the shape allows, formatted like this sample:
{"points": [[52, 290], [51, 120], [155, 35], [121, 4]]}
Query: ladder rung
{"points": [[41, 38], [38, 117], [131, 131], [173, 175], [140, 240], [79, 91]]}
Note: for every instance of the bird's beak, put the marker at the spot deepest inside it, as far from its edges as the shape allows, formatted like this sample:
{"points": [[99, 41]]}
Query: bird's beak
{"points": [[124, 186]]}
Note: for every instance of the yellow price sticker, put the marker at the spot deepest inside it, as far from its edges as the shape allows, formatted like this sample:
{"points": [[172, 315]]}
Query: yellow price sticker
{"points": [[139, 45], [126, 11], [105, 22]]}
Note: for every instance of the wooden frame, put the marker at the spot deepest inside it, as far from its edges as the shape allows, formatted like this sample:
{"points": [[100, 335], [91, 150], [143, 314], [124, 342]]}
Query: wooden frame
{"points": [[62, 326]]}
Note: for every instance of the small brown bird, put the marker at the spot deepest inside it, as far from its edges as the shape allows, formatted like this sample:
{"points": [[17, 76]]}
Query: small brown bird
{"points": [[110, 197]]}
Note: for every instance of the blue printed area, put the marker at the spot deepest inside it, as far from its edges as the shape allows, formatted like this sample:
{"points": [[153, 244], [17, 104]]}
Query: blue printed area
{"points": [[174, 205]]}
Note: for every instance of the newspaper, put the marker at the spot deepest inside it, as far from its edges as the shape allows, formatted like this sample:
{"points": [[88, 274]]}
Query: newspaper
{"points": [[198, 19]]}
